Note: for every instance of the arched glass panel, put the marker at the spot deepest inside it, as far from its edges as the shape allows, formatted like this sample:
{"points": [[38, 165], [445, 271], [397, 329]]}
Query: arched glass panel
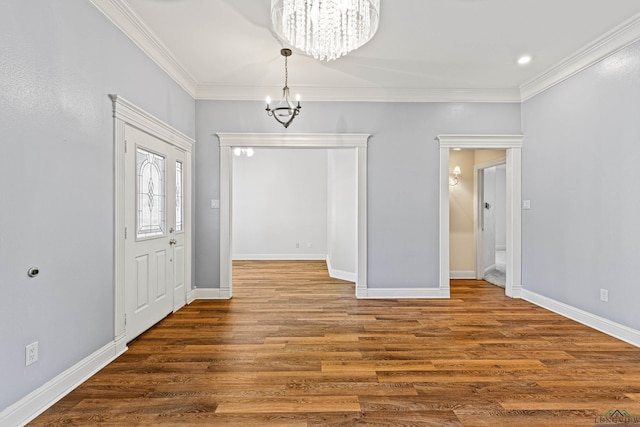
{"points": [[150, 199]]}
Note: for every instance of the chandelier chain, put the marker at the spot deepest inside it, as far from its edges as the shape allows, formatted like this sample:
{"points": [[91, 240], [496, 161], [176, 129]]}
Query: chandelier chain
{"points": [[286, 72]]}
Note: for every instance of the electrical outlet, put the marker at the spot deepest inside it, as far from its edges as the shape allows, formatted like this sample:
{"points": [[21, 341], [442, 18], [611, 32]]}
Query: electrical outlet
{"points": [[604, 295], [31, 353]]}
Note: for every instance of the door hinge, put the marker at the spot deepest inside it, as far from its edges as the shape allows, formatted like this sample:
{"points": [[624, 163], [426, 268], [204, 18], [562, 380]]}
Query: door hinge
{"points": [[125, 320], [125, 146], [125, 232]]}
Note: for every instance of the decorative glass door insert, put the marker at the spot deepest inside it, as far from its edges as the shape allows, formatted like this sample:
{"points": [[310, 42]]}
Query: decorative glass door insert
{"points": [[151, 199], [179, 200]]}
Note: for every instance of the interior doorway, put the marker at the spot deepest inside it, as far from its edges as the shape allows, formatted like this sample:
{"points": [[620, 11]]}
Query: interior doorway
{"points": [[513, 146], [231, 141], [295, 204]]}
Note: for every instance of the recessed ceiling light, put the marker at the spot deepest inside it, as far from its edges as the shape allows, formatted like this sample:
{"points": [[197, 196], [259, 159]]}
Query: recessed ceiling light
{"points": [[525, 59]]}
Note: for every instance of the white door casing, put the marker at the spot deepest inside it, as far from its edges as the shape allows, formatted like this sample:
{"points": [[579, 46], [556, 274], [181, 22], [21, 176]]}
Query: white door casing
{"points": [[513, 146], [127, 114], [289, 140]]}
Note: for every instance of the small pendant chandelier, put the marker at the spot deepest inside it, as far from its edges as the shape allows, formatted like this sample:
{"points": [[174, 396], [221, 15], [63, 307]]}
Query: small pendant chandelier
{"points": [[325, 29], [285, 112]]}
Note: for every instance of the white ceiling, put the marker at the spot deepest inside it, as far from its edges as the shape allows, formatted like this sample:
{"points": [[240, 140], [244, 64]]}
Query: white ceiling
{"points": [[423, 50]]}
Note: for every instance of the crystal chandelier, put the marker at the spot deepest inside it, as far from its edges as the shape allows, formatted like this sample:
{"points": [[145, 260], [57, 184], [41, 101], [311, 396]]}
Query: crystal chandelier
{"points": [[325, 29], [285, 112]]}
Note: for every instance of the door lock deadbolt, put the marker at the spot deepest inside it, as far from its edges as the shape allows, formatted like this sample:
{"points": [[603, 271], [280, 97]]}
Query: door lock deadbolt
{"points": [[33, 271]]}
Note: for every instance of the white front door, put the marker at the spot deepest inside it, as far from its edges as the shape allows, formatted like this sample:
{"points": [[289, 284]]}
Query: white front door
{"points": [[154, 242]]}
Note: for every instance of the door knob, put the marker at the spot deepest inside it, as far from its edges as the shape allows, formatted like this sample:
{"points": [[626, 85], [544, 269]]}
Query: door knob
{"points": [[173, 241]]}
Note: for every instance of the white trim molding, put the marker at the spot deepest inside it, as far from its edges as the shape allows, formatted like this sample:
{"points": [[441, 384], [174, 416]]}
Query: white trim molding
{"points": [[480, 142], [609, 43], [128, 21], [206, 294], [135, 116], [293, 140], [45, 396], [616, 330], [471, 275], [513, 146], [356, 141], [403, 293], [279, 257], [340, 274]]}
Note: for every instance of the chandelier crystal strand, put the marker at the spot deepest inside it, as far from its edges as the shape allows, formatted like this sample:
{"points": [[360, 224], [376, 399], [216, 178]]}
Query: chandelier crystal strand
{"points": [[325, 29]]}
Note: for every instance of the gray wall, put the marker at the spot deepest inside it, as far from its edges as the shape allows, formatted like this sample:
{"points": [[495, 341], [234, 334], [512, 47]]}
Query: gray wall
{"points": [[280, 202], [581, 172], [58, 62], [403, 174]]}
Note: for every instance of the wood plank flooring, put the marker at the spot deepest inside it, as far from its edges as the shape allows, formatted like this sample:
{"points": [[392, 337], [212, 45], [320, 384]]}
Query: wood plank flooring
{"points": [[296, 348]]}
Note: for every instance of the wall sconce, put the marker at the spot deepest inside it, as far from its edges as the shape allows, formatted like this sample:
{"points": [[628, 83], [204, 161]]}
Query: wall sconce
{"points": [[453, 180]]}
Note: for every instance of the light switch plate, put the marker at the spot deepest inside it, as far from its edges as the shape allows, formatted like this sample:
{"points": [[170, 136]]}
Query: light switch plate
{"points": [[215, 204], [526, 204]]}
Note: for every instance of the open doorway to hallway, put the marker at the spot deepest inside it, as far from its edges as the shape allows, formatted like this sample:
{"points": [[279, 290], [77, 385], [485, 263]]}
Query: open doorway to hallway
{"points": [[513, 146]]}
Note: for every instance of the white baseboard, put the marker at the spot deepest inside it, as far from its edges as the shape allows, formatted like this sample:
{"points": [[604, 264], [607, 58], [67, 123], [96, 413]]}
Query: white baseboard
{"points": [[191, 296], [616, 330], [42, 398], [279, 257], [208, 293], [340, 274], [402, 293], [462, 274], [490, 268]]}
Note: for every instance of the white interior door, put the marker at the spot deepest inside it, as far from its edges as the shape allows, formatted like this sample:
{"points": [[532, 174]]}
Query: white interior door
{"points": [[153, 247]]}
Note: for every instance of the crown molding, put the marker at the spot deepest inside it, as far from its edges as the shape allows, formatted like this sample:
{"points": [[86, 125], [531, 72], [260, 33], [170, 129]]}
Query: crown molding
{"points": [[218, 92], [123, 17], [611, 42]]}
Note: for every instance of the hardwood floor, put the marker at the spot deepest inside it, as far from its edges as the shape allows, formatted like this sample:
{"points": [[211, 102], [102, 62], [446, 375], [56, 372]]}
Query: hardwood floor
{"points": [[296, 348]]}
